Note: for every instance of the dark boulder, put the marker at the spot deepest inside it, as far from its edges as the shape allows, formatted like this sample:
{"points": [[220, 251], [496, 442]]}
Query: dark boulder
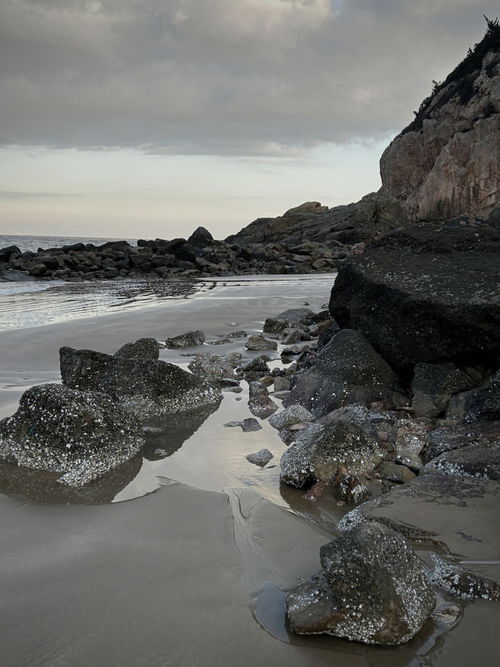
{"points": [[477, 405], [141, 386], [425, 294], [322, 451], [434, 384], [372, 589], [347, 370], [188, 339], [82, 434], [200, 237], [144, 348]]}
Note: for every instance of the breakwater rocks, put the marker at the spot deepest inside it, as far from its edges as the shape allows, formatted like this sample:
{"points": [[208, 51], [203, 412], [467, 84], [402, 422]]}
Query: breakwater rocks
{"points": [[199, 256]]}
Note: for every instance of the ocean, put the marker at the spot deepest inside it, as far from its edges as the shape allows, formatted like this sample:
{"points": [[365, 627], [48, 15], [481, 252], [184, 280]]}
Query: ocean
{"points": [[34, 242]]}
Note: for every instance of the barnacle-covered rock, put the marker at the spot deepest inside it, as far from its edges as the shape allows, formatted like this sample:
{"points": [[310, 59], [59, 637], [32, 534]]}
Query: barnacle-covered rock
{"points": [[144, 387], [80, 434], [372, 589], [322, 451]]}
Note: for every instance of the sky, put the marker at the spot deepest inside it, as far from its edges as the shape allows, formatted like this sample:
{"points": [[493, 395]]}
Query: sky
{"points": [[147, 118]]}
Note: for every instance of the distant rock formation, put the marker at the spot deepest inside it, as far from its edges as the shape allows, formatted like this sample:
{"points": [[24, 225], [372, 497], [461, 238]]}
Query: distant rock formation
{"points": [[444, 165]]}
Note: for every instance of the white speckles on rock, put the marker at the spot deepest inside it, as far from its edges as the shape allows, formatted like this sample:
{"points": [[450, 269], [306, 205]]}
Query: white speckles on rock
{"points": [[372, 589]]}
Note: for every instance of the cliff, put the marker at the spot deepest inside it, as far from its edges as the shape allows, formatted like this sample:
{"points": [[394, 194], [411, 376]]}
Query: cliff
{"points": [[444, 165]]}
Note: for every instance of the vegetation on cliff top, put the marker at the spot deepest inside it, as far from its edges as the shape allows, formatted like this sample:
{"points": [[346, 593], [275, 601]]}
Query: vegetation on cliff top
{"points": [[460, 81]]}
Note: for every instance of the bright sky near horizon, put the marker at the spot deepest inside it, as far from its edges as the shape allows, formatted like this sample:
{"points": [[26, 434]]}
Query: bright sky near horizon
{"points": [[142, 119]]}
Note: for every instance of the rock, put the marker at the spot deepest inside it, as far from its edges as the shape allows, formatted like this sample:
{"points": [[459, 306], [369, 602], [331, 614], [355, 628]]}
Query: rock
{"points": [[327, 333], [82, 434], [273, 325], [200, 237], [144, 348], [461, 583], [347, 370], [372, 589], [259, 401], [294, 316], [234, 390], [481, 462], [281, 384], [256, 365], [261, 343], [294, 414], [189, 339], [444, 439], [292, 336], [425, 294], [211, 367], [247, 425], [350, 489], [458, 514], [321, 451], [260, 458], [140, 386], [434, 384], [395, 472], [476, 405], [441, 166]]}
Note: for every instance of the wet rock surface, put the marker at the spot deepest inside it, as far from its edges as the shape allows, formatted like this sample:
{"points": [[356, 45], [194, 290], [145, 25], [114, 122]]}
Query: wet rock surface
{"points": [[347, 370], [259, 401], [142, 387], [188, 339], [260, 458], [435, 290], [372, 589], [211, 367], [144, 349], [80, 434], [321, 452]]}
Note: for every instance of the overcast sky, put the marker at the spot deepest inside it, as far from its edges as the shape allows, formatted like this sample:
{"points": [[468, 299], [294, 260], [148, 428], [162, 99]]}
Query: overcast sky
{"points": [[145, 118]]}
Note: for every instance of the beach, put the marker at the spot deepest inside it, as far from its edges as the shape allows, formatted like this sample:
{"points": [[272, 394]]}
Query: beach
{"points": [[184, 559]]}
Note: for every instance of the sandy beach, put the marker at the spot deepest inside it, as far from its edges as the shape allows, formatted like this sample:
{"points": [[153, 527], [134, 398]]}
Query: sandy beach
{"points": [[191, 567]]}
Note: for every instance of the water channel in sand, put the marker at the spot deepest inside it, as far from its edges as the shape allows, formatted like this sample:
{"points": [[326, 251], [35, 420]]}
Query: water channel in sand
{"points": [[183, 555]]}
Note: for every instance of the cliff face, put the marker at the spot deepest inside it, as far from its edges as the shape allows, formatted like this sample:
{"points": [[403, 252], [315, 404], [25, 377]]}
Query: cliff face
{"points": [[446, 163]]}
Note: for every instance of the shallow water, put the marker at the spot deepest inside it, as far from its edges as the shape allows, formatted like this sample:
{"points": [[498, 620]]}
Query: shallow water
{"points": [[183, 555]]}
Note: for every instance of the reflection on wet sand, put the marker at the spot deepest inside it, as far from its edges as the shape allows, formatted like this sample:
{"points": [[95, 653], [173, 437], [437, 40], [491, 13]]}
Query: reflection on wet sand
{"points": [[43, 487]]}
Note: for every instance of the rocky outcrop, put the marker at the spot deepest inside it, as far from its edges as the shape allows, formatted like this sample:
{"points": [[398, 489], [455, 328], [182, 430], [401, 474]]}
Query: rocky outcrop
{"points": [[372, 588], [142, 386], [445, 163], [80, 434], [426, 294]]}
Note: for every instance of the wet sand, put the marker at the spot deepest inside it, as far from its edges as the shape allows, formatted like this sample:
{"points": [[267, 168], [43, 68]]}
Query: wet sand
{"points": [[191, 573]]}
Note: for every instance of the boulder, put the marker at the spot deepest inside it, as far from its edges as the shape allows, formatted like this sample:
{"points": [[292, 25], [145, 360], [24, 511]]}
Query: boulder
{"points": [[481, 462], [82, 434], [260, 458], [426, 294], [294, 414], [372, 588], [188, 339], [146, 349], [434, 384], [247, 425], [261, 343], [477, 405], [200, 237], [259, 401], [211, 367], [322, 451], [347, 370], [444, 439], [461, 583], [141, 386]]}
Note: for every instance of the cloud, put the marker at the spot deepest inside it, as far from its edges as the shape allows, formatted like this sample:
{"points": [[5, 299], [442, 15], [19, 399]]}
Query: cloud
{"points": [[222, 77]]}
